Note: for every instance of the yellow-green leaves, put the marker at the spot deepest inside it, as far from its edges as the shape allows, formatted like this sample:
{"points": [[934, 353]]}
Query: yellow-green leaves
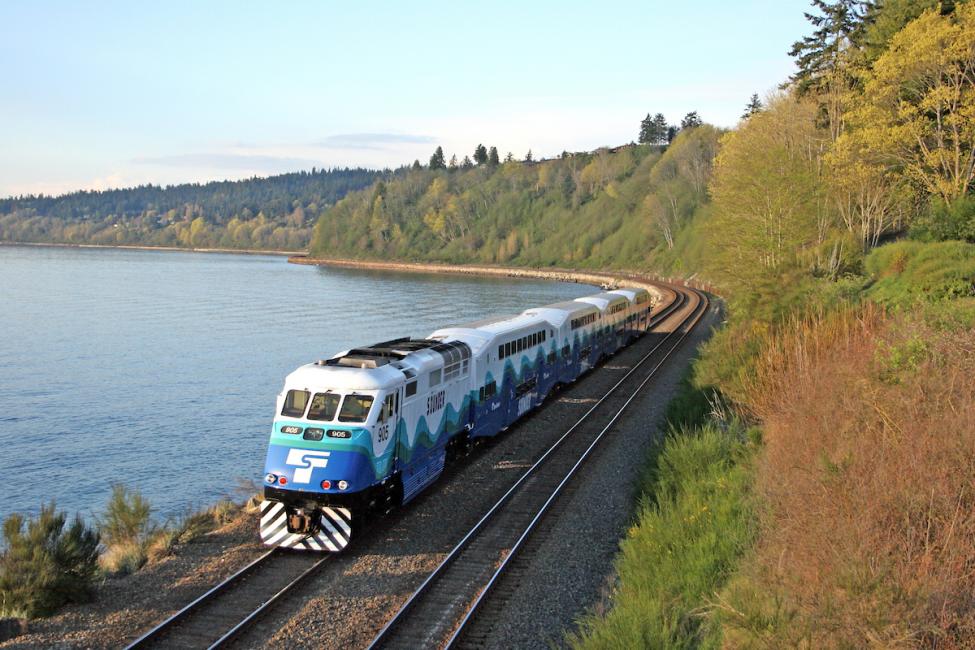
{"points": [[917, 111]]}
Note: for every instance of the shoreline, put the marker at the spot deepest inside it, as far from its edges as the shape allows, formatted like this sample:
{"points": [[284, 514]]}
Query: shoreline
{"points": [[141, 247], [603, 279]]}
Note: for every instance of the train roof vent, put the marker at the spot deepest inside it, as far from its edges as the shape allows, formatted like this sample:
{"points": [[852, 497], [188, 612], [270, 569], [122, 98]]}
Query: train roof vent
{"points": [[358, 361]]}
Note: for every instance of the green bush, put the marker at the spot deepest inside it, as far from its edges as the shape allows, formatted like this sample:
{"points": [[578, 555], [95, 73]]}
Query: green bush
{"points": [[45, 565], [908, 273], [126, 517], [127, 531], [943, 222]]}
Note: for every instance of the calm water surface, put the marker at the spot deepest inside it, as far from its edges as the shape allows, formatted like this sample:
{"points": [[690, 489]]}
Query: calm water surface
{"points": [[160, 369]]}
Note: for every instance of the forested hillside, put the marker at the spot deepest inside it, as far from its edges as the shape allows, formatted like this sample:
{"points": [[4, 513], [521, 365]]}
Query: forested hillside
{"points": [[608, 208], [277, 212]]}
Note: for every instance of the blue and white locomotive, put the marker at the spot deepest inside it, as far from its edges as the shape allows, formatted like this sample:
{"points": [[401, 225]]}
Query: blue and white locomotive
{"points": [[370, 428]]}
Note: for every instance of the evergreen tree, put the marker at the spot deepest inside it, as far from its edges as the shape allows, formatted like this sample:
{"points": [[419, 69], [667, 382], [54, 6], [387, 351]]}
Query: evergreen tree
{"points": [[437, 159], [658, 129], [672, 132], [480, 154], [528, 156], [467, 163], [690, 121], [646, 130], [493, 159], [417, 165], [754, 106], [818, 54], [509, 157], [453, 163]]}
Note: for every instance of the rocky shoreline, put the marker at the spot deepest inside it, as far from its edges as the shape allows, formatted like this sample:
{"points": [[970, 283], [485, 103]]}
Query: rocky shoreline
{"points": [[605, 279]]}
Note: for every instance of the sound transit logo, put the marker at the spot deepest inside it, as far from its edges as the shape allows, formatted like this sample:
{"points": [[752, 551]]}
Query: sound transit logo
{"points": [[306, 461]]}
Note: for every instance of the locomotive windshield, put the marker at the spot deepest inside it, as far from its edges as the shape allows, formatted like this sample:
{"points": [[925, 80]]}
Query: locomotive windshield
{"points": [[324, 406], [355, 408], [295, 403]]}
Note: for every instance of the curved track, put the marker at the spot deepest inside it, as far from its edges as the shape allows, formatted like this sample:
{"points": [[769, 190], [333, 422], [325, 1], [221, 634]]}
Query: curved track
{"points": [[439, 611], [219, 616]]}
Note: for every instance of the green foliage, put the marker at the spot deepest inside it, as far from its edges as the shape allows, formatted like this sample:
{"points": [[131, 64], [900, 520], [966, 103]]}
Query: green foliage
{"points": [[126, 530], [694, 523], [45, 565], [753, 106], [944, 222], [437, 160], [817, 54], [126, 517], [580, 210], [690, 121], [908, 273], [884, 19], [272, 213]]}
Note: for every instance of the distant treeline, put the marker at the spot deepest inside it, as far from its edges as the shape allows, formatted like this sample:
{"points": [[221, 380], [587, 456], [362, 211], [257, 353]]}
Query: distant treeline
{"points": [[274, 213]]}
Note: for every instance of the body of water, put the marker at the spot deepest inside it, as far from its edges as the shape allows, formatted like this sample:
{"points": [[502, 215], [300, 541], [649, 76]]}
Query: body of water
{"points": [[159, 369]]}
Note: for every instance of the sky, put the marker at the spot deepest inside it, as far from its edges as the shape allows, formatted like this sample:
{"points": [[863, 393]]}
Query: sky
{"points": [[102, 95]]}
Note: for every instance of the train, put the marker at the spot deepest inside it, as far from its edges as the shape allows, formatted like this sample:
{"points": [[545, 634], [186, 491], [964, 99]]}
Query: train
{"points": [[367, 430]]}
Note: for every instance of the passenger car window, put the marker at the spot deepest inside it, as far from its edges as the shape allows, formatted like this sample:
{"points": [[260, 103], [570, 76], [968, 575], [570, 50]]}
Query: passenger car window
{"points": [[324, 406], [435, 378], [411, 389], [295, 403], [355, 408]]}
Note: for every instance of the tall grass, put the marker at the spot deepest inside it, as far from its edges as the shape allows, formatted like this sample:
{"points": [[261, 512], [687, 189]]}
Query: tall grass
{"points": [[868, 485], [693, 523]]}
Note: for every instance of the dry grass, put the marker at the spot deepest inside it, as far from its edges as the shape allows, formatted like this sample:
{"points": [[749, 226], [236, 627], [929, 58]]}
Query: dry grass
{"points": [[869, 477]]}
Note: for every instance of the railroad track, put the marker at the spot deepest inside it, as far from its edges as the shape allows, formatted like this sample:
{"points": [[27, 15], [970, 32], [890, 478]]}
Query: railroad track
{"points": [[219, 615], [227, 610], [439, 612]]}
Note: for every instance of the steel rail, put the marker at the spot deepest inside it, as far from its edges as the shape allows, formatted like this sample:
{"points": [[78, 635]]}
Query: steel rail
{"points": [[425, 586], [167, 624], [254, 615], [697, 314]]}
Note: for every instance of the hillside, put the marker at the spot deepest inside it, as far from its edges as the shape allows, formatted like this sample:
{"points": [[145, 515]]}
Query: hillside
{"points": [[607, 209], [275, 212]]}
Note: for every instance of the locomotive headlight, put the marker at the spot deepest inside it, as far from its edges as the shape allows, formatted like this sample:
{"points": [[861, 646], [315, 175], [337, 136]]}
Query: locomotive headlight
{"points": [[270, 478], [343, 485]]}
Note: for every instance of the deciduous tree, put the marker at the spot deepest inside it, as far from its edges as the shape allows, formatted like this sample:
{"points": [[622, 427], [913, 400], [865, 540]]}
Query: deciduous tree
{"points": [[917, 111]]}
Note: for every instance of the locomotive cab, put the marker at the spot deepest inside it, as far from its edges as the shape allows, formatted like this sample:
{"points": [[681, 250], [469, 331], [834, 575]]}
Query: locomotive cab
{"points": [[331, 449], [334, 454]]}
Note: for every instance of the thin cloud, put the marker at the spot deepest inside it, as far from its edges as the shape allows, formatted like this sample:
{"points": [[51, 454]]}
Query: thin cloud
{"points": [[229, 161], [373, 140]]}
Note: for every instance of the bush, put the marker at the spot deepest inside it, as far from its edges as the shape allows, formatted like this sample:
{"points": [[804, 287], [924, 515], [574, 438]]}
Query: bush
{"points": [[943, 222], [909, 273], [127, 530], [46, 565], [126, 517]]}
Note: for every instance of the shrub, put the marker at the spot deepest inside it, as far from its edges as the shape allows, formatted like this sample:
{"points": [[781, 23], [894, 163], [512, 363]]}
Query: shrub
{"points": [[909, 273], [127, 530], [126, 517], [943, 222], [46, 565]]}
